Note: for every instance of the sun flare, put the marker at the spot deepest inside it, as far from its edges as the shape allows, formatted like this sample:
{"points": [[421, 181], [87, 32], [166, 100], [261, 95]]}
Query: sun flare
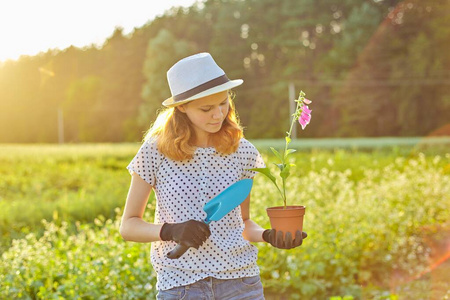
{"points": [[30, 27]]}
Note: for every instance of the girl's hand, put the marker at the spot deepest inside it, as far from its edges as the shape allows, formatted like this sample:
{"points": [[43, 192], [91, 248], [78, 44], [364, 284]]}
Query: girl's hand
{"points": [[281, 241], [191, 233]]}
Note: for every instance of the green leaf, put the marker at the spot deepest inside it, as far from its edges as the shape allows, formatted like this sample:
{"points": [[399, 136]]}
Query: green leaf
{"points": [[266, 172], [289, 151], [288, 140], [280, 166], [285, 172], [277, 154]]}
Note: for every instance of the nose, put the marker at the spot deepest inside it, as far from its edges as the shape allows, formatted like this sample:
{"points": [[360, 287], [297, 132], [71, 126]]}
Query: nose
{"points": [[218, 113]]}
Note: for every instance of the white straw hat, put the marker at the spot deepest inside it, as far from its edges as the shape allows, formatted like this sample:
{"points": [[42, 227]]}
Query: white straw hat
{"points": [[195, 77]]}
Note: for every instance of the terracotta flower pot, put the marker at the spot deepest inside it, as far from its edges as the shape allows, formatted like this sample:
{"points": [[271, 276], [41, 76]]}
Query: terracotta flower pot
{"points": [[289, 219]]}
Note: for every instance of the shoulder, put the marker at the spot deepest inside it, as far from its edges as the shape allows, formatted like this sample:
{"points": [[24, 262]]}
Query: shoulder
{"points": [[247, 147], [151, 147], [246, 143], [151, 142]]}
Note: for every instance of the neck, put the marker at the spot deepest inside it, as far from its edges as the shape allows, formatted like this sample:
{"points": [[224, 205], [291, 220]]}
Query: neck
{"points": [[203, 141], [203, 144]]}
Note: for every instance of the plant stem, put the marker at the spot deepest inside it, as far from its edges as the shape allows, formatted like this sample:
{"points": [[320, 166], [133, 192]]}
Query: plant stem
{"points": [[282, 196], [294, 118], [287, 140]]}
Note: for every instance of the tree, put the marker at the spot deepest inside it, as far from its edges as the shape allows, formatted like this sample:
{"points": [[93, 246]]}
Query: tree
{"points": [[81, 110], [162, 52], [398, 82], [372, 68]]}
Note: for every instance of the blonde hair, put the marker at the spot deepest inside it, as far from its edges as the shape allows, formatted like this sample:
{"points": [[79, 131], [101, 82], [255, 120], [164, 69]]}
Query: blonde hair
{"points": [[175, 134]]}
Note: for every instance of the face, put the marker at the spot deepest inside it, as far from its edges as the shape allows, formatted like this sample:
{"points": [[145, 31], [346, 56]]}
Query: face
{"points": [[208, 113]]}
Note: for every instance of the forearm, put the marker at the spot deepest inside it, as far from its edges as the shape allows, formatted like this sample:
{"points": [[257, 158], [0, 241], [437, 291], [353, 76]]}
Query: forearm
{"points": [[252, 231], [137, 230]]}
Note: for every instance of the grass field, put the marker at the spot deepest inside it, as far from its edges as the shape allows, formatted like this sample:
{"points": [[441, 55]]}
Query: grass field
{"points": [[377, 220]]}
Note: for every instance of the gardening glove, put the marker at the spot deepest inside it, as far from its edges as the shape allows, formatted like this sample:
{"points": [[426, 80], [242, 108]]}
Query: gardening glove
{"points": [[191, 233], [278, 240]]}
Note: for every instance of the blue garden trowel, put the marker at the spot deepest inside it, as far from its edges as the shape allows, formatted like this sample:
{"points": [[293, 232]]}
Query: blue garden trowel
{"points": [[218, 207]]}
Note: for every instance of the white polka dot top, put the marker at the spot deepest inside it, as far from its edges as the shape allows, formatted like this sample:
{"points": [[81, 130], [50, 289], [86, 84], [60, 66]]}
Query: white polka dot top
{"points": [[181, 189]]}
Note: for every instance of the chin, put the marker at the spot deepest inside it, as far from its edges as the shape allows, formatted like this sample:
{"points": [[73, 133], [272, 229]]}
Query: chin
{"points": [[215, 130]]}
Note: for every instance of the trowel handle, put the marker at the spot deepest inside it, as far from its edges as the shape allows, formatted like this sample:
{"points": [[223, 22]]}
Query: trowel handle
{"points": [[177, 252]]}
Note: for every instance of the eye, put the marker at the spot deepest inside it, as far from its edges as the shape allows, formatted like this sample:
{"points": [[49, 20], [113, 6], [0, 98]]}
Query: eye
{"points": [[205, 110]]}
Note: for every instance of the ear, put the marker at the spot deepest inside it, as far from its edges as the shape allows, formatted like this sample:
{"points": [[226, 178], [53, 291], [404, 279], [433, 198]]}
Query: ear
{"points": [[181, 108]]}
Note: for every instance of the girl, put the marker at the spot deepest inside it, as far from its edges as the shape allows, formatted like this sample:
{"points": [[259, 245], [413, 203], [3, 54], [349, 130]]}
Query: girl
{"points": [[193, 151]]}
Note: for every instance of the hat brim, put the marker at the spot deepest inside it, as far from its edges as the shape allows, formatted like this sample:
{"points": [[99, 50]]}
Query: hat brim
{"points": [[169, 102]]}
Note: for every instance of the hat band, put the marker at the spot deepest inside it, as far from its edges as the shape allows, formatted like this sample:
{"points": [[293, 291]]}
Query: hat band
{"points": [[200, 88]]}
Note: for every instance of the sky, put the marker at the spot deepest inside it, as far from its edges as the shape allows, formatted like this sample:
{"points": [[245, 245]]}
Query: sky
{"points": [[28, 27]]}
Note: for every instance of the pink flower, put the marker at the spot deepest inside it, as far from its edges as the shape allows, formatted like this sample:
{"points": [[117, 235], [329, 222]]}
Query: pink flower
{"points": [[304, 120], [305, 116], [307, 101], [306, 110]]}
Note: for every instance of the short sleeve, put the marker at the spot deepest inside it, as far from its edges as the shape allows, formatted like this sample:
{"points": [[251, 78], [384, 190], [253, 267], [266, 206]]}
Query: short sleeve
{"points": [[250, 159], [146, 162]]}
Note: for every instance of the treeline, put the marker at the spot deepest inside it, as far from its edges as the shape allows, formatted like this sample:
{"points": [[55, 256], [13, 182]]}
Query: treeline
{"points": [[372, 68]]}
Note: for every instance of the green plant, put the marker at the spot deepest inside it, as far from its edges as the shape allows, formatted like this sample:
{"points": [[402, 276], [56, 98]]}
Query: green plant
{"points": [[357, 253], [303, 115]]}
